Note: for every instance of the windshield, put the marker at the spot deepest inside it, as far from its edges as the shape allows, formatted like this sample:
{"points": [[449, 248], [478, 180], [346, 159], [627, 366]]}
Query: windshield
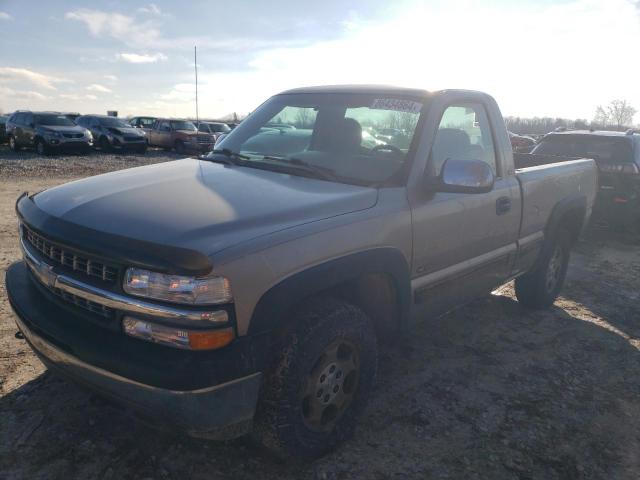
{"points": [[359, 138], [53, 120], [182, 125], [112, 122], [599, 147]]}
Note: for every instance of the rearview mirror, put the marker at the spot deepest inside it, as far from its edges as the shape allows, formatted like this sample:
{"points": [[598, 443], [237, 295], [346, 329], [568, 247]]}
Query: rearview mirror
{"points": [[465, 176]]}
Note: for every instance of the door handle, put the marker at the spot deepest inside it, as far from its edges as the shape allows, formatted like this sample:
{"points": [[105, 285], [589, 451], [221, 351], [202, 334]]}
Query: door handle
{"points": [[503, 205]]}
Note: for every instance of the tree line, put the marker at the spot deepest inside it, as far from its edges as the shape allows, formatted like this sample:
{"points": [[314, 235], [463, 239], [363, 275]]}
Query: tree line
{"points": [[618, 115]]}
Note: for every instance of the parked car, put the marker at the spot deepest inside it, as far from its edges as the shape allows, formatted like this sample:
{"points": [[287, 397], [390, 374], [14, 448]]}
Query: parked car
{"points": [[214, 128], [112, 133], [617, 155], [73, 116], [47, 132], [253, 287], [521, 143], [3, 128], [179, 135], [145, 123]]}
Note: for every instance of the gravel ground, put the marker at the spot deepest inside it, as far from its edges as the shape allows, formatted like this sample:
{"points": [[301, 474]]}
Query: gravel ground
{"points": [[488, 391]]}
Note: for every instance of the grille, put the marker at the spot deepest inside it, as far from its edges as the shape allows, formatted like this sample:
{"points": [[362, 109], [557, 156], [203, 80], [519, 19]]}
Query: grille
{"points": [[84, 303], [77, 263], [204, 140], [73, 135]]}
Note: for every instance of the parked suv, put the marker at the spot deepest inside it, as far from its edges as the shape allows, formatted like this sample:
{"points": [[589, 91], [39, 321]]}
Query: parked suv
{"points": [[180, 135], [3, 128], [214, 128], [114, 133], [47, 132], [617, 155], [145, 123]]}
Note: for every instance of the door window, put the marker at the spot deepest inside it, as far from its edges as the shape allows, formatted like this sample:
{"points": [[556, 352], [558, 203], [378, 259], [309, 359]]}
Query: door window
{"points": [[463, 134]]}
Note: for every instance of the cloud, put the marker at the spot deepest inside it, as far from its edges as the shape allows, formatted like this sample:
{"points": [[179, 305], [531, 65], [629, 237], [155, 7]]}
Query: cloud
{"points": [[19, 75], [111, 78], [75, 96], [141, 58], [5, 16], [115, 25], [21, 94], [95, 87], [151, 9]]}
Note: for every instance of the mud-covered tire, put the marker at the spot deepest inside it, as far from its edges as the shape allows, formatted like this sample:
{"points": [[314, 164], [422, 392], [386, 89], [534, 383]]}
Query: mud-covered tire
{"points": [[282, 421], [540, 287]]}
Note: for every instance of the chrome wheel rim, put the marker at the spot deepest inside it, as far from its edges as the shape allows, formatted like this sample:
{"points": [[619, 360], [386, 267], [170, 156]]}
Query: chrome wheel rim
{"points": [[553, 269], [331, 386]]}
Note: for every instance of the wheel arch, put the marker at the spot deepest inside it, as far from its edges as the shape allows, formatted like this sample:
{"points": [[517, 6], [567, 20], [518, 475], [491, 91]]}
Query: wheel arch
{"points": [[570, 214], [376, 280]]}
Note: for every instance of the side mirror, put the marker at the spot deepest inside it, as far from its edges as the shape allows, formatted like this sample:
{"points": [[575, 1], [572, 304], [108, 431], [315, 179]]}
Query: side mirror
{"points": [[465, 176]]}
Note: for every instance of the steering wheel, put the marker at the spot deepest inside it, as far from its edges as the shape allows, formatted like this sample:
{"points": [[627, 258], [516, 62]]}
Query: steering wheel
{"points": [[390, 148]]}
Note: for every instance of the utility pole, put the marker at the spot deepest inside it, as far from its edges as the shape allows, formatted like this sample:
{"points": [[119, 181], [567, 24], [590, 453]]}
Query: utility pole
{"points": [[195, 63]]}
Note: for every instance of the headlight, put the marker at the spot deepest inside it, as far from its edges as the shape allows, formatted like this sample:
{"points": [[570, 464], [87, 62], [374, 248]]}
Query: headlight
{"points": [[176, 288], [88, 134]]}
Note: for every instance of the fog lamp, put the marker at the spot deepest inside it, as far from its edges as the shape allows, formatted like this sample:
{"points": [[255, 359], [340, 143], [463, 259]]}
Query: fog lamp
{"points": [[177, 337]]}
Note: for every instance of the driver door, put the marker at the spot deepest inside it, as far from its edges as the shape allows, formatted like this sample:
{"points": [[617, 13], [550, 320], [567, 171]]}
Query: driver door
{"points": [[463, 242]]}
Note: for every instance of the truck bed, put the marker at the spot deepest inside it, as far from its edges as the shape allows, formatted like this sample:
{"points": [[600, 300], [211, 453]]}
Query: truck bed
{"points": [[549, 179], [526, 160]]}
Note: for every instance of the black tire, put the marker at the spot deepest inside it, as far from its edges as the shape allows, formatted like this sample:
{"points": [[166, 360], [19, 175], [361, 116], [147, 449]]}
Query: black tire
{"points": [[142, 150], [41, 147], [287, 421], [13, 145], [540, 287], [104, 144], [179, 147]]}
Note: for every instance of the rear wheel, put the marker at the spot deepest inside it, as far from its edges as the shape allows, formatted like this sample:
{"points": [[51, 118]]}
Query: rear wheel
{"points": [[12, 143], [320, 382], [540, 287]]}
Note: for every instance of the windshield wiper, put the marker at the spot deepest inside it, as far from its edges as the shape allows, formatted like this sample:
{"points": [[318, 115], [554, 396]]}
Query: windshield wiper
{"points": [[323, 173], [231, 157]]}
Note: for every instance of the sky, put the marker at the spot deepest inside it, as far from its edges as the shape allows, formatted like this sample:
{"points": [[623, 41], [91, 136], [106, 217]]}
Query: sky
{"points": [[536, 57]]}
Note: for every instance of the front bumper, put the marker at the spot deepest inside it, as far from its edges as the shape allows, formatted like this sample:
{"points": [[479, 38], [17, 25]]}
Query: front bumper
{"points": [[221, 411], [68, 144]]}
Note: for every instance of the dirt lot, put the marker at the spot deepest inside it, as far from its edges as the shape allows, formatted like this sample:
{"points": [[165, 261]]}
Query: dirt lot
{"points": [[489, 391]]}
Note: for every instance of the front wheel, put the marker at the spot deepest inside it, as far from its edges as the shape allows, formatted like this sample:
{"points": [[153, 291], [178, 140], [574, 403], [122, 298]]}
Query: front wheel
{"points": [[540, 287], [105, 146], [320, 382], [12, 144], [41, 147], [179, 147]]}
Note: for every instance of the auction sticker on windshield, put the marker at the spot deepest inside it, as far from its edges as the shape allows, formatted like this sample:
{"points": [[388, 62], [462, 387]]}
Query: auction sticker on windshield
{"points": [[397, 104]]}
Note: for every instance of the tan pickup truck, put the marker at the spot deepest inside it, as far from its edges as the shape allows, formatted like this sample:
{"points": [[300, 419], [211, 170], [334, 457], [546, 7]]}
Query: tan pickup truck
{"points": [[179, 135], [248, 290]]}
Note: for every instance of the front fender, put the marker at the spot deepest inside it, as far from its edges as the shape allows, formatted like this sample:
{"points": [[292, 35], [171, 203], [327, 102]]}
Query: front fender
{"points": [[271, 311]]}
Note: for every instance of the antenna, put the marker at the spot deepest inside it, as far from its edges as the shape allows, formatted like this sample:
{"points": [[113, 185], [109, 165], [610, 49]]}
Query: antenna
{"points": [[195, 63]]}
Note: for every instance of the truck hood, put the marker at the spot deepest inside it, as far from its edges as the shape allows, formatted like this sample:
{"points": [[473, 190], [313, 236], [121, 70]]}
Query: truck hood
{"points": [[199, 205]]}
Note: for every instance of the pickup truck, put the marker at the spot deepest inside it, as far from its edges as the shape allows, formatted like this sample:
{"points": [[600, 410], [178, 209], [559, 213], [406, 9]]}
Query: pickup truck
{"points": [[248, 289], [179, 135]]}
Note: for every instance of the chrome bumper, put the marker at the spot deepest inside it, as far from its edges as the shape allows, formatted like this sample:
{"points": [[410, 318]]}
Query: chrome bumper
{"points": [[221, 411], [45, 274]]}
